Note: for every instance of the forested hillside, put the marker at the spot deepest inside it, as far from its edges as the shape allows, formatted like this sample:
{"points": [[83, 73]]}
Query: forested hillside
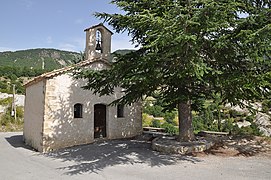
{"points": [[35, 58], [16, 67]]}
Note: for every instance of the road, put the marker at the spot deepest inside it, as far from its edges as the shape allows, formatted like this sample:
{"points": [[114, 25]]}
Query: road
{"points": [[121, 159]]}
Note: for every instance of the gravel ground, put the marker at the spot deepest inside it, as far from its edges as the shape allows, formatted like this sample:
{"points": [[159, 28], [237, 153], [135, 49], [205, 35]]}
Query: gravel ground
{"points": [[127, 159]]}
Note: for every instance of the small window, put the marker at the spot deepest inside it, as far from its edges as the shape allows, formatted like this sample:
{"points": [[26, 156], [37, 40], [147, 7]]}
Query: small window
{"points": [[78, 110], [120, 110]]}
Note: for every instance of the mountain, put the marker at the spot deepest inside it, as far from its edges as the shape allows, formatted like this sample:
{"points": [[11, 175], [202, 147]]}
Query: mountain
{"points": [[37, 58], [49, 58], [123, 51], [17, 67]]}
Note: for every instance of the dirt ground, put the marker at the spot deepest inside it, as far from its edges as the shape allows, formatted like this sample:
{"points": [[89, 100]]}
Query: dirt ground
{"points": [[246, 146]]}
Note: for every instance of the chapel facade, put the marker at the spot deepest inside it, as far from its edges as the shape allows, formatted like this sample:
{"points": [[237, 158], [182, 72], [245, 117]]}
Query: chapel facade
{"points": [[59, 113]]}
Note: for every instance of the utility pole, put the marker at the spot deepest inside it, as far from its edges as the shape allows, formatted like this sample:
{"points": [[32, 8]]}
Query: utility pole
{"points": [[13, 108]]}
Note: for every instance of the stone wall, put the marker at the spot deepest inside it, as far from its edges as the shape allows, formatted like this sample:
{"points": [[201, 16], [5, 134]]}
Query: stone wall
{"points": [[61, 129], [33, 115]]}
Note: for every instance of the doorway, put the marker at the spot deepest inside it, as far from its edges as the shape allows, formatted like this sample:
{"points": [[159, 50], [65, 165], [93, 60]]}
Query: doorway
{"points": [[99, 121]]}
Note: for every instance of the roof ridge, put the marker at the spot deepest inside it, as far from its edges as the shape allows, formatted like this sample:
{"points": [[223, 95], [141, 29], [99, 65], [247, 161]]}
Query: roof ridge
{"points": [[59, 71]]}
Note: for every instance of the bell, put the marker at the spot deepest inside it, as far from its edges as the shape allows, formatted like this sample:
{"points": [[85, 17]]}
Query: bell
{"points": [[98, 47]]}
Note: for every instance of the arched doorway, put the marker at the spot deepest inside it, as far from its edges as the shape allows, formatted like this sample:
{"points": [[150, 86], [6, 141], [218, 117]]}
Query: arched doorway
{"points": [[99, 120]]}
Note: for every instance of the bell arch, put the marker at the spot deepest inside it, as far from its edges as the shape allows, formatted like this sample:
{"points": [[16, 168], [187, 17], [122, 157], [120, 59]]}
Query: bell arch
{"points": [[99, 41]]}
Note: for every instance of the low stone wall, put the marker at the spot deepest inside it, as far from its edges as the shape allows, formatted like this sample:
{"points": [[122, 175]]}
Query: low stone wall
{"points": [[172, 146]]}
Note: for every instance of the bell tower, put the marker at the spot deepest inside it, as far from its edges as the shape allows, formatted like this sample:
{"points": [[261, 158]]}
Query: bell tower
{"points": [[98, 43]]}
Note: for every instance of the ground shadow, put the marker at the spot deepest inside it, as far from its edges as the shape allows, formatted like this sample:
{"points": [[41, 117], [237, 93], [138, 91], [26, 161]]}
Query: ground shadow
{"points": [[240, 146], [17, 142], [93, 158]]}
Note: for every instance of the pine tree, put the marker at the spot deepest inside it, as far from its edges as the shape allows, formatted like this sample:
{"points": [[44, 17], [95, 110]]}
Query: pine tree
{"points": [[188, 50]]}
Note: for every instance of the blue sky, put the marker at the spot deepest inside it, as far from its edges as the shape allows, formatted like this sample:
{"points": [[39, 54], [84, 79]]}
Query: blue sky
{"points": [[59, 24]]}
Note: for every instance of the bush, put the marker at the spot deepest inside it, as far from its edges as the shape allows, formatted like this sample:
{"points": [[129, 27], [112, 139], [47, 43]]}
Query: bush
{"points": [[169, 117], [234, 113], [5, 120], [228, 126], [20, 112], [170, 129], [266, 106], [199, 124], [155, 110], [156, 123], [8, 123], [146, 120]]}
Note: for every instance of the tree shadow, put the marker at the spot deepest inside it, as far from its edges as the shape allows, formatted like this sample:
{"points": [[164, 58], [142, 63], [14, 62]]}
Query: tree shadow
{"points": [[95, 157], [17, 142], [240, 146]]}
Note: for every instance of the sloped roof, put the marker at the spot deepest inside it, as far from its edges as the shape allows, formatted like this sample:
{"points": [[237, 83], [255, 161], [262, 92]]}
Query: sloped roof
{"points": [[101, 24], [61, 71]]}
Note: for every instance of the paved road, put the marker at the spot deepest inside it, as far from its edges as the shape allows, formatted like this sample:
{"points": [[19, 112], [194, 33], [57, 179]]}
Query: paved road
{"points": [[120, 160]]}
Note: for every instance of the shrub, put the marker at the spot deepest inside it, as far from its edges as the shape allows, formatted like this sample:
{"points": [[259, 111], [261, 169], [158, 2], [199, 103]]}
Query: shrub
{"points": [[199, 124], [154, 110], [156, 123], [146, 120], [234, 113], [228, 125], [20, 112], [169, 117], [8, 123], [170, 129], [266, 106]]}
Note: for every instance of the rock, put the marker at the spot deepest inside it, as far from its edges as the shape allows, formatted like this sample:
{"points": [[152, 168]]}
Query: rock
{"points": [[172, 146], [243, 124], [2, 109], [264, 123], [262, 119]]}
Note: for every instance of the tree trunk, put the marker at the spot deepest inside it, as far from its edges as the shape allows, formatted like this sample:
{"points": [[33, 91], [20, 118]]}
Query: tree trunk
{"points": [[186, 132]]}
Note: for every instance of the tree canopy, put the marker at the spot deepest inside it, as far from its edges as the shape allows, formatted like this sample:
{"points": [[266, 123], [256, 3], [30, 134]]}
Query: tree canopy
{"points": [[188, 50]]}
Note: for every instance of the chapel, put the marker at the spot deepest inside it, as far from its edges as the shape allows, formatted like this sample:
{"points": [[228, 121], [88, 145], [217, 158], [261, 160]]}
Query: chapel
{"points": [[58, 113]]}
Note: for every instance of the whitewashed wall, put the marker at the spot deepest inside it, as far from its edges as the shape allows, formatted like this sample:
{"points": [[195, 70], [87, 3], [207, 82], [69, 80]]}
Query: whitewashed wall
{"points": [[62, 130], [33, 115]]}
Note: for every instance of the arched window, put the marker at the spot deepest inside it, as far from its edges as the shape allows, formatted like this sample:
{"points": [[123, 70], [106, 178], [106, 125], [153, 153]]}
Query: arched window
{"points": [[120, 110], [99, 42], [78, 110]]}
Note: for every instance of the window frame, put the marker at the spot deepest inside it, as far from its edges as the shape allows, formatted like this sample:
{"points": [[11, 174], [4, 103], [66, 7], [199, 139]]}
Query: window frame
{"points": [[120, 111], [78, 110]]}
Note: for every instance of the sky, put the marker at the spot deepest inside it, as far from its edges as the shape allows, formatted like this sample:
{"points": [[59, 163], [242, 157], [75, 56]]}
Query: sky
{"points": [[58, 24]]}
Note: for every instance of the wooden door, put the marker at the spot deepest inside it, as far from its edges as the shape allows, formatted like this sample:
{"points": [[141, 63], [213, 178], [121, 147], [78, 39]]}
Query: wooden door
{"points": [[99, 121]]}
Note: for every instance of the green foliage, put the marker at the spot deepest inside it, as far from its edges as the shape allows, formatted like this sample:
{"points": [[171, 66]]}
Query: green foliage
{"points": [[235, 130], [34, 58], [228, 125], [156, 123], [234, 113], [154, 110], [266, 106], [6, 101], [7, 86], [14, 72], [189, 50], [28, 63], [7, 122], [170, 129], [146, 120], [20, 112], [170, 117]]}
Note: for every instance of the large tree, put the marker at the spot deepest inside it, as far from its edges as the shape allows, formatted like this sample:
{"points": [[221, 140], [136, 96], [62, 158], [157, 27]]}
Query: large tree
{"points": [[189, 50]]}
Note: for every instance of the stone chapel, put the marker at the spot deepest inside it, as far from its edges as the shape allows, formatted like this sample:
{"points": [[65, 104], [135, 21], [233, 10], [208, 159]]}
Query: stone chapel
{"points": [[59, 113]]}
